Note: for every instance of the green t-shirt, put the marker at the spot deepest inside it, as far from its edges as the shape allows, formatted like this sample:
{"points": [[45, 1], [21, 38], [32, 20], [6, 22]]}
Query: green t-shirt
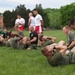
{"points": [[70, 38], [1, 32]]}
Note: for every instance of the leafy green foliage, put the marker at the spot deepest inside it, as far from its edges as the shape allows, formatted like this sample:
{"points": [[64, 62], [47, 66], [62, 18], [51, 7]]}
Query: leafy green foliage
{"points": [[67, 13], [7, 18], [54, 18], [10, 17]]}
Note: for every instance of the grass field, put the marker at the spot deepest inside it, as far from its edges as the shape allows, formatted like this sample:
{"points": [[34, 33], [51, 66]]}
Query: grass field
{"points": [[23, 62]]}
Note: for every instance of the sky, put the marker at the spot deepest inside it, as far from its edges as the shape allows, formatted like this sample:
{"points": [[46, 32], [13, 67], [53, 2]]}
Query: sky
{"points": [[30, 4]]}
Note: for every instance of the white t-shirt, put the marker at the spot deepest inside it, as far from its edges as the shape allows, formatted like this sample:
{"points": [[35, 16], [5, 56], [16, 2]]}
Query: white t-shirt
{"points": [[38, 18], [32, 21], [21, 21]]}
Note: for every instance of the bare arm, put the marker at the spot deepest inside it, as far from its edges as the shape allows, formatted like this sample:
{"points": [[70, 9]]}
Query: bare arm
{"points": [[29, 21], [7, 38], [42, 23], [61, 49], [71, 45], [52, 38], [33, 40], [22, 24]]}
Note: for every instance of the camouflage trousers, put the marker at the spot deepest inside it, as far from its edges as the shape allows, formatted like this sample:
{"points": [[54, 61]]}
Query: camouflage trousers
{"points": [[14, 44]]}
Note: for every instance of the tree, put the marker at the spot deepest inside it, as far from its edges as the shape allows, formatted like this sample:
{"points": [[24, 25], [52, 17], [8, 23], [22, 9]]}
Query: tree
{"points": [[38, 6], [21, 9], [0, 13], [43, 14], [67, 13], [10, 17], [54, 18], [7, 18]]}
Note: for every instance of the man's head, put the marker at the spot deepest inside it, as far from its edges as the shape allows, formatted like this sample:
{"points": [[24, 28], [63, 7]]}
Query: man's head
{"points": [[31, 28], [66, 29], [19, 16], [30, 14], [47, 51], [72, 24], [35, 12], [5, 30]]}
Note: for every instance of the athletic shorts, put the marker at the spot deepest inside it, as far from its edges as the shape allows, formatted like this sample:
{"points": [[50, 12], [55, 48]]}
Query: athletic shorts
{"points": [[38, 29], [21, 28]]}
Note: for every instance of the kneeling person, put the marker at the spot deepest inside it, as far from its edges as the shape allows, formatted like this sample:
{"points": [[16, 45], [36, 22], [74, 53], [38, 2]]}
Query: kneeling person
{"points": [[70, 37], [33, 38]]}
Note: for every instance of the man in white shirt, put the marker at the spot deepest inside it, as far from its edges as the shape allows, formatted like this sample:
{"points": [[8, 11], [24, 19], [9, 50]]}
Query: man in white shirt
{"points": [[19, 24], [31, 21], [38, 22]]}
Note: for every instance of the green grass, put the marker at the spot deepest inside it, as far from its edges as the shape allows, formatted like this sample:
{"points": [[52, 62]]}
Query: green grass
{"points": [[23, 62]]}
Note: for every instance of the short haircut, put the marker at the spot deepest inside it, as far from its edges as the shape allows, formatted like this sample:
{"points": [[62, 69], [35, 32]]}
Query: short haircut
{"points": [[67, 27], [31, 13], [72, 22], [35, 10]]}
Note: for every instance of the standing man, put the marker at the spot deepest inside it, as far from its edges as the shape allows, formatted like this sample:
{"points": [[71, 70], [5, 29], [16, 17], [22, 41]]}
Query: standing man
{"points": [[70, 36], [31, 21], [38, 24], [19, 24]]}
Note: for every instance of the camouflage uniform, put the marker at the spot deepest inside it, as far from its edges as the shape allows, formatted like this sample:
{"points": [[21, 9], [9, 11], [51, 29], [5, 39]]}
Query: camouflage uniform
{"points": [[47, 42], [70, 38], [57, 59], [14, 44]]}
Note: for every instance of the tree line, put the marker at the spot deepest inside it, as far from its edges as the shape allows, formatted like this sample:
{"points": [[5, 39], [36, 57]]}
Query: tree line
{"points": [[10, 17], [60, 17], [53, 18]]}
